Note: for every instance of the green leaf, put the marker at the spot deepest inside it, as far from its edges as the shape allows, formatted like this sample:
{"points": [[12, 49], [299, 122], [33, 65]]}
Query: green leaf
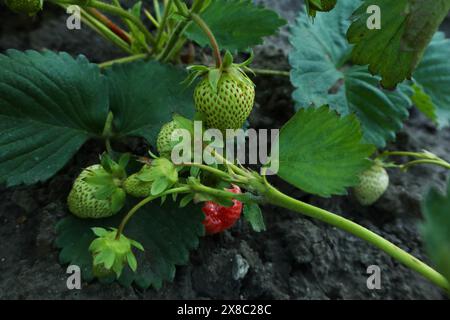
{"points": [[159, 186], [322, 76], [423, 102], [186, 200], [253, 214], [236, 24], [104, 192], [50, 104], [436, 229], [100, 232], [167, 234], [322, 153], [144, 95], [105, 257], [432, 75], [394, 50], [100, 179], [132, 262]]}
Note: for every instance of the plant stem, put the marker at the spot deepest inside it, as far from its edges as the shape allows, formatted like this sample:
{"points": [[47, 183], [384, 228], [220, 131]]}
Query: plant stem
{"points": [[214, 171], [108, 131], [111, 25], [278, 198], [440, 163], [174, 38], [101, 29], [157, 10], [162, 25], [221, 193], [112, 9], [142, 203], [425, 158], [268, 72], [132, 58], [168, 50], [151, 18], [215, 46], [404, 154]]}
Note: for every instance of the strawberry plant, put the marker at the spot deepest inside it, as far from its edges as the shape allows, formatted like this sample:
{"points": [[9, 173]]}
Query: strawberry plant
{"points": [[134, 218]]}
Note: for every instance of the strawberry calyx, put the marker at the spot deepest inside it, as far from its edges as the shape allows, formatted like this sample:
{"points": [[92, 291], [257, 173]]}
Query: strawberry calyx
{"points": [[237, 72], [111, 253], [107, 181], [161, 174]]}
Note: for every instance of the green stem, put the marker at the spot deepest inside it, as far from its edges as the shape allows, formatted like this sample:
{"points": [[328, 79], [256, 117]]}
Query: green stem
{"points": [[101, 29], [107, 129], [275, 197], [212, 39], [163, 23], [268, 72], [424, 158], [181, 9], [157, 10], [212, 170], [440, 163], [108, 132], [221, 193], [142, 203], [404, 154], [132, 58], [174, 38], [112, 9]]}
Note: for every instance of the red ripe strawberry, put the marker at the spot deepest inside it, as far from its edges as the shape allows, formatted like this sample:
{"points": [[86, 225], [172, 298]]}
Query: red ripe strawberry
{"points": [[219, 218]]}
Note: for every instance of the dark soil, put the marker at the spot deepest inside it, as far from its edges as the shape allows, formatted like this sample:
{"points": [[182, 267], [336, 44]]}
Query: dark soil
{"points": [[296, 258]]}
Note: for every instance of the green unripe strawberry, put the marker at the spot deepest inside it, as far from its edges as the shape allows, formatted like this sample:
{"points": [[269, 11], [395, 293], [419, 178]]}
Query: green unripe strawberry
{"points": [[229, 106], [225, 95], [373, 183], [136, 187], [90, 200], [30, 7], [164, 141]]}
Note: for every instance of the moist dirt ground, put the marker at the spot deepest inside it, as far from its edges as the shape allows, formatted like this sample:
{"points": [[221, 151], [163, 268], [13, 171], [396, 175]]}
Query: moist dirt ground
{"points": [[296, 258]]}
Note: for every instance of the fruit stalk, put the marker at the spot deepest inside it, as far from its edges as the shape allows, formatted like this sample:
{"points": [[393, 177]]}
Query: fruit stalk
{"points": [[278, 198], [424, 158], [142, 203], [269, 72], [215, 46]]}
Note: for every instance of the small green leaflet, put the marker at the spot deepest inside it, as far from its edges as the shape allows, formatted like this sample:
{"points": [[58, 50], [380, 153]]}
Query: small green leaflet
{"points": [[321, 152], [436, 229], [432, 77], [253, 214], [394, 50], [50, 105], [322, 76], [236, 24], [423, 102], [166, 232]]}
